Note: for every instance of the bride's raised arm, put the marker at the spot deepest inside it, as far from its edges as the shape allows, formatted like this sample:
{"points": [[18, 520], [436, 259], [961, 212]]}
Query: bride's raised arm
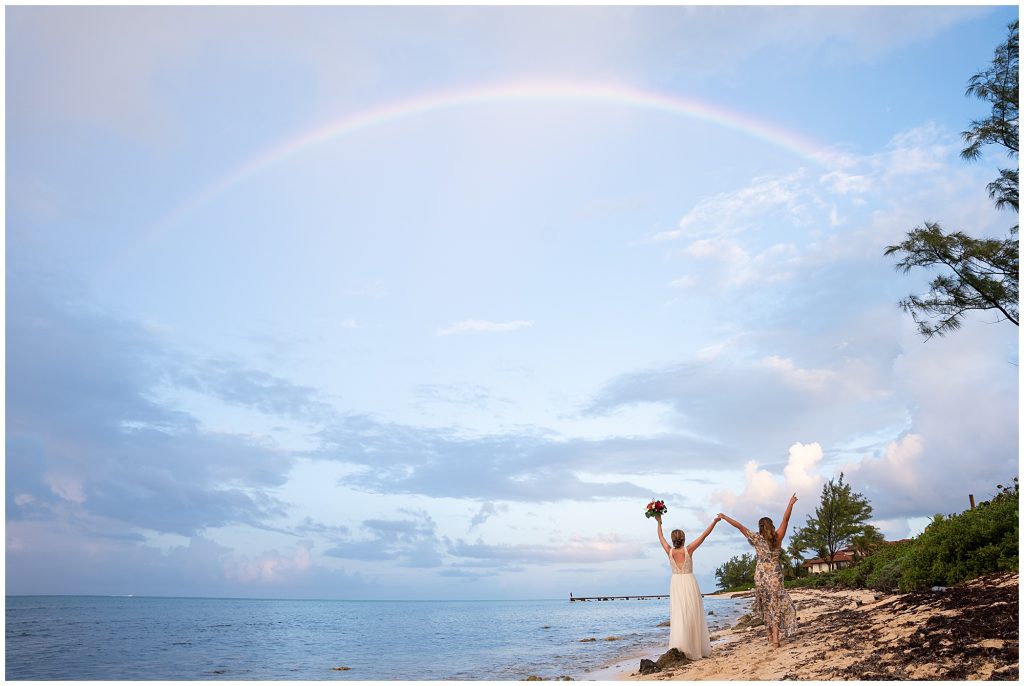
{"points": [[661, 536], [700, 539]]}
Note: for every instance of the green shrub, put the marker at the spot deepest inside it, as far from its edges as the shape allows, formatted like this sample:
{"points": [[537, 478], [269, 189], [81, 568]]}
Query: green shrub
{"points": [[736, 572], [952, 549], [850, 577], [958, 547], [883, 569], [823, 580]]}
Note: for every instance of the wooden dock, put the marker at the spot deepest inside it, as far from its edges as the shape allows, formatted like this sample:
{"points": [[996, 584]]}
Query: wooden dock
{"points": [[574, 599]]}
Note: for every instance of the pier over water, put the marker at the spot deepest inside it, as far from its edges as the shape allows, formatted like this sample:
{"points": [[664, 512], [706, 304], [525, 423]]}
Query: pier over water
{"points": [[573, 598]]}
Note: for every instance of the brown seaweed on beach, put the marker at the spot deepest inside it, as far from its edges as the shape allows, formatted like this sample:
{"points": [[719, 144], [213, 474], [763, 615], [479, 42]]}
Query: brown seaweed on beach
{"points": [[972, 631]]}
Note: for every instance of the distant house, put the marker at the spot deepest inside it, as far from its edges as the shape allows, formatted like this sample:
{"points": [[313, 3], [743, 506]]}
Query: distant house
{"points": [[844, 558]]}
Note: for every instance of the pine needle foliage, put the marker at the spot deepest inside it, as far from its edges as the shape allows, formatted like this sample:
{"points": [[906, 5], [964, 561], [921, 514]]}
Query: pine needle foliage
{"points": [[976, 274]]}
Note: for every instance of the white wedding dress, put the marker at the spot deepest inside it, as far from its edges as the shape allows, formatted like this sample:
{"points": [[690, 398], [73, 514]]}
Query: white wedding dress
{"points": [[689, 626]]}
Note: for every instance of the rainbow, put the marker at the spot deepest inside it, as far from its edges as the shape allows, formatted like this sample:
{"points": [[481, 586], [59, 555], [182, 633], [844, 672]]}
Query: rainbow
{"points": [[620, 95]]}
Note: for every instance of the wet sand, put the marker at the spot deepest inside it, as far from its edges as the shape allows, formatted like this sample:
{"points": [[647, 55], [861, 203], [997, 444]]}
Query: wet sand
{"points": [[965, 632]]}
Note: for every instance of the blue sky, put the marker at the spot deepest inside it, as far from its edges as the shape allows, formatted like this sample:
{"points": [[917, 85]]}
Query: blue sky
{"points": [[453, 353]]}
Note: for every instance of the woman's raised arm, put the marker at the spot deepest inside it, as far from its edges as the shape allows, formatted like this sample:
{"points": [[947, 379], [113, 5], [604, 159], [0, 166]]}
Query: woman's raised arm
{"points": [[661, 536], [784, 524], [700, 539], [743, 529]]}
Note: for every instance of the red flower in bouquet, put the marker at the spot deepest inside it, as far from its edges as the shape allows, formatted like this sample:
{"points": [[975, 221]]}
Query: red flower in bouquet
{"points": [[656, 507]]}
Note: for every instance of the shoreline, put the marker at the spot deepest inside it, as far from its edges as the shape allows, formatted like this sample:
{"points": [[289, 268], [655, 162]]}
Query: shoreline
{"points": [[969, 631], [622, 666]]}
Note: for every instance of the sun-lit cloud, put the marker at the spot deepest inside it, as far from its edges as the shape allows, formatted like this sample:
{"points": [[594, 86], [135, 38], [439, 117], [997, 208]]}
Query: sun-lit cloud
{"points": [[900, 464], [765, 494], [802, 469], [268, 568], [950, 444]]}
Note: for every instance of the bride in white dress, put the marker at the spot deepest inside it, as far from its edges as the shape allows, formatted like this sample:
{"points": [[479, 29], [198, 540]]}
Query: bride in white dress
{"points": [[689, 626]]}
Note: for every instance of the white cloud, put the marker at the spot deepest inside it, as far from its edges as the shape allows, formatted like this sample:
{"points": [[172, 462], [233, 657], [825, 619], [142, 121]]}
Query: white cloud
{"points": [[841, 183], [765, 494], [742, 210], [483, 326], [779, 230], [918, 151], [801, 470], [900, 464], [737, 267], [719, 250], [963, 430]]}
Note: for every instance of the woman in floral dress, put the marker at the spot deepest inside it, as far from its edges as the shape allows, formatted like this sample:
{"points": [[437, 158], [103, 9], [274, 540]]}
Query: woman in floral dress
{"points": [[771, 600]]}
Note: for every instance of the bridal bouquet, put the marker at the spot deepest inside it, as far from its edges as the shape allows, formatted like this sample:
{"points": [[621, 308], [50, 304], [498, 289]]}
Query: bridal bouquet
{"points": [[656, 507]]}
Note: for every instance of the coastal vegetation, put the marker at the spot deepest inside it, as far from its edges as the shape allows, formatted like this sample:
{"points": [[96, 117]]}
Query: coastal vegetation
{"points": [[736, 574], [952, 549]]}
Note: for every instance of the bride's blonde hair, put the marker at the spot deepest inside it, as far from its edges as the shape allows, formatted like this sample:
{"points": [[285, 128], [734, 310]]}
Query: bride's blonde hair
{"points": [[678, 538]]}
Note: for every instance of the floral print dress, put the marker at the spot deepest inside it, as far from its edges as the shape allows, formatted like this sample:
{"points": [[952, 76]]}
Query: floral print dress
{"points": [[771, 601]]}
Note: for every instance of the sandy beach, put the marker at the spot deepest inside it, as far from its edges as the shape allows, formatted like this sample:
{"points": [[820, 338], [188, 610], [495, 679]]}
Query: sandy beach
{"points": [[964, 632]]}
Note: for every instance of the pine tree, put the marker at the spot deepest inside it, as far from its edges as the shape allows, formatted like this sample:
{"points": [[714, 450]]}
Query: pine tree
{"points": [[977, 274], [840, 519]]}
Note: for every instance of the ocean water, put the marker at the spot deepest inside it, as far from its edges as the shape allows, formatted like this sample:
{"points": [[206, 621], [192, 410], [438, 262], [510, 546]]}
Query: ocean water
{"points": [[139, 638]]}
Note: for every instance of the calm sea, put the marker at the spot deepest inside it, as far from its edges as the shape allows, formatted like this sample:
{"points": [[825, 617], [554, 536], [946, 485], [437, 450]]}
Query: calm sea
{"points": [[106, 638]]}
